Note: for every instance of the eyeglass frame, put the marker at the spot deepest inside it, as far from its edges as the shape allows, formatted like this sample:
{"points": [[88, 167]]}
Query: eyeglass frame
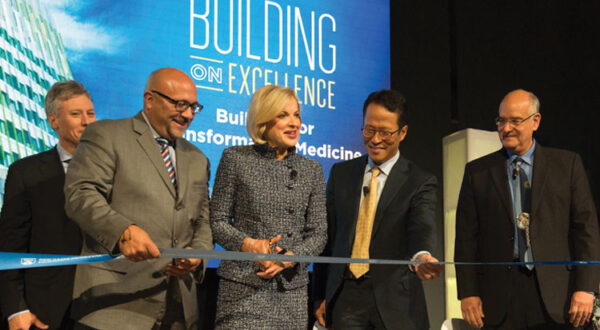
{"points": [[498, 119], [380, 132], [196, 107]]}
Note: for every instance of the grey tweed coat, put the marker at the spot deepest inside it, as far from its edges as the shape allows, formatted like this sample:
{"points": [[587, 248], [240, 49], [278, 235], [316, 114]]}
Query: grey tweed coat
{"points": [[257, 196]]}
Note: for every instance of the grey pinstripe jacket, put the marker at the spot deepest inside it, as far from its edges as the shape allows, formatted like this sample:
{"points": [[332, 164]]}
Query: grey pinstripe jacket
{"points": [[257, 196]]}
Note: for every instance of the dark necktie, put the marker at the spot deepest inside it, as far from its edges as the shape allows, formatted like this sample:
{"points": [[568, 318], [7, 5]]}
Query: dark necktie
{"points": [[66, 164], [522, 201], [166, 156]]}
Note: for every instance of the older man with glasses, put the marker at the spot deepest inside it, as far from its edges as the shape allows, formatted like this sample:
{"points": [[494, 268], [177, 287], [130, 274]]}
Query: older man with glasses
{"points": [[135, 185], [526, 203]]}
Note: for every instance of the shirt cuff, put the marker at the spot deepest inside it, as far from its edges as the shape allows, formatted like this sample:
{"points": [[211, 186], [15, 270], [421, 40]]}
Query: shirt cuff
{"points": [[414, 258], [17, 313]]}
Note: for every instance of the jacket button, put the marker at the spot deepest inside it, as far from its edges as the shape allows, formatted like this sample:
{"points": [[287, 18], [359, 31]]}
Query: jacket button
{"points": [[291, 211], [512, 238], [175, 241], [289, 234], [508, 267], [178, 206]]}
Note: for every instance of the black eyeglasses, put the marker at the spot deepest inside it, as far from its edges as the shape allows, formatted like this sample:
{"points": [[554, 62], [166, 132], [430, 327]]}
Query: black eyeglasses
{"points": [[181, 105], [514, 121], [370, 132]]}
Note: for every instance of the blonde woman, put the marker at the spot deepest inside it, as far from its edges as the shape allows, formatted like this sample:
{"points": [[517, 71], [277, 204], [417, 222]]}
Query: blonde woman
{"points": [[267, 198]]}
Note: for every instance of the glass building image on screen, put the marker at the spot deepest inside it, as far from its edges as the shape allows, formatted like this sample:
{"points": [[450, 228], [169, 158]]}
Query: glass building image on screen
{"points": [[331, 53]]}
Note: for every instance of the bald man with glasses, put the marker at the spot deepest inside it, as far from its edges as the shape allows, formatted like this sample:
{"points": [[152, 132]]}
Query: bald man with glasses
{"points": [[135, 185], [526, 203]]}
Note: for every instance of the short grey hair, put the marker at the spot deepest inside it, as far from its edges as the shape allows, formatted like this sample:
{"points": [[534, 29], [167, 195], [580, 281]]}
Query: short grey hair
{"points": [[62, 91], [534, 103]]}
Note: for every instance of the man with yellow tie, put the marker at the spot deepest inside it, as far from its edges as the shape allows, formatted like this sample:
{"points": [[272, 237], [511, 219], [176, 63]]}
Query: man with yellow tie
{"points": [[380, 206]]}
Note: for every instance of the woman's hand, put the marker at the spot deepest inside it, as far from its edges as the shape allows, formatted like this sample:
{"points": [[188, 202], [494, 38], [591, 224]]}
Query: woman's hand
{"points": [[260, 246], [277, 266]]}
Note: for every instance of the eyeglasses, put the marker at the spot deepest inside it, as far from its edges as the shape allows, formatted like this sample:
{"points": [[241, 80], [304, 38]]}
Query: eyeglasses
{"points": [[369, 132], [514, 122], [181, 105]]}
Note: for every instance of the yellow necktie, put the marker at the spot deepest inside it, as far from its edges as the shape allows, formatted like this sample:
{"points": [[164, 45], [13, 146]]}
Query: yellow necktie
{"points": [[364, 226]]}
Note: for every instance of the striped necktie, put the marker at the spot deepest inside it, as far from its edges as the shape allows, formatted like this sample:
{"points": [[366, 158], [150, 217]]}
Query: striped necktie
{"points": [[166, 156]]}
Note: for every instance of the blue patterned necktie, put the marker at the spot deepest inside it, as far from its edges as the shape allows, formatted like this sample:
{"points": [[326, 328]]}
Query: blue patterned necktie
{"points": [[522, 204], [166, 156]]}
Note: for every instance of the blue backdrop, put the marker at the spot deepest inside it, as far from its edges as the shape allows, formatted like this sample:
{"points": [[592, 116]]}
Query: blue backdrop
{"points": [[333, 53]]}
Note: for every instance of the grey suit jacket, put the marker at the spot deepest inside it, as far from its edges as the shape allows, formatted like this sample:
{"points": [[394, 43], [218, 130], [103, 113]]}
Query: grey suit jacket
{"points": [[257, 196], [117, 178], [563, 227]]}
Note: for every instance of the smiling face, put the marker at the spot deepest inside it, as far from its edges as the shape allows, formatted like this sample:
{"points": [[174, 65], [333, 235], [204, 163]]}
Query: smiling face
{"points": [[168, 122], [381, 119], [283, 131], [73, 117], [518, 139]]}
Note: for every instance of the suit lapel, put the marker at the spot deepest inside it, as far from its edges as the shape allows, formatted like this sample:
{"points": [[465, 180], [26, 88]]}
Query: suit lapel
{"points": [[499, 175], [539, 173], [182, 169], [51, 165], [353, 185], [150, 147], [393, 184]]}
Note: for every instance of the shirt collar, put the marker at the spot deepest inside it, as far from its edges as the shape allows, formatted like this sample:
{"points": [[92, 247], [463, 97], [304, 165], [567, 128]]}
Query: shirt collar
{"points": [[527, 157], [154, 132], [63, 155], [387, 166]]}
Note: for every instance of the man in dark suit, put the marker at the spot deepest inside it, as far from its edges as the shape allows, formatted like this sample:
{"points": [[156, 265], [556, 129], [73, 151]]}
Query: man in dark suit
{"points": [[378, 206], [135, 185], [33, 217], [526, 202]]}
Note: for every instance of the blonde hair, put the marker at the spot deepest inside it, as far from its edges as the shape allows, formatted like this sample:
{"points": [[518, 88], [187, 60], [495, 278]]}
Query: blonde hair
{"points": [[266, 103]]}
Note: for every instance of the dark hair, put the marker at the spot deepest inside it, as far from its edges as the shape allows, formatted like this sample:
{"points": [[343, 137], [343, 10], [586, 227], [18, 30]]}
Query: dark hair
{"points": [[391, 100]]}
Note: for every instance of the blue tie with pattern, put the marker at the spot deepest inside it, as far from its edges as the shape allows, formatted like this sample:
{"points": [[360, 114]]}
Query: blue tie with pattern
{"points": [[522, 204]]}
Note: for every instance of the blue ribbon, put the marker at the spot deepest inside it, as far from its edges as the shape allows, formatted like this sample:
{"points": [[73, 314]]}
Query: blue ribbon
{"points": [[11, 260]]}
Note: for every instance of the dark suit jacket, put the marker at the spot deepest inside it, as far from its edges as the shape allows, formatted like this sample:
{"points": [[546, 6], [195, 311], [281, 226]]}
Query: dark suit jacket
{"points": [[33, 220], [404, 224], [564, 226]]}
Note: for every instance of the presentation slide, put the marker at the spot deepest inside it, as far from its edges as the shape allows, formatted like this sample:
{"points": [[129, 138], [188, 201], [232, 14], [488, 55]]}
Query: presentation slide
{"points": [[331, 53]]}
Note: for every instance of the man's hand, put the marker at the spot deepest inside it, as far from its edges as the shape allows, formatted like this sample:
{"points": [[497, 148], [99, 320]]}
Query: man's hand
{"points": [[319, 307], [472, 311], [136, 245], [24, 321], [582, 304], [427, 271], [183, 266]]}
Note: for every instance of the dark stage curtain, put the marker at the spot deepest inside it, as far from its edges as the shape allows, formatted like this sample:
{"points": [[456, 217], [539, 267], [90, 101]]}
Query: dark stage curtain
{"points": [[455, 60]]}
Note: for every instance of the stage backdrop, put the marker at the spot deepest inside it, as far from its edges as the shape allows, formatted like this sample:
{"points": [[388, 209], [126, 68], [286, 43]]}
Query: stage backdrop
{"points": [[332, 53]]}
